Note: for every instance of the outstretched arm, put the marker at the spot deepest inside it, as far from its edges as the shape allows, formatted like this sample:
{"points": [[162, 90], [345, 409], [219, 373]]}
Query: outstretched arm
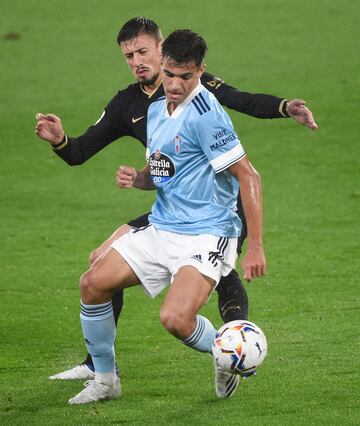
{"points": [[127, 177], [253, 263], [258, 105]]}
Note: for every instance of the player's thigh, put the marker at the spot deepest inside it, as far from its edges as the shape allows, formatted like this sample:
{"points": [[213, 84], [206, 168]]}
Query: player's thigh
{"points": [[104, 247], [110, 273], [189, 291]]}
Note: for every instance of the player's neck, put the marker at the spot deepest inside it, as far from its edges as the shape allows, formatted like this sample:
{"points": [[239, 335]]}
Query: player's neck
{"points": [[150, 89], [171, 107]]}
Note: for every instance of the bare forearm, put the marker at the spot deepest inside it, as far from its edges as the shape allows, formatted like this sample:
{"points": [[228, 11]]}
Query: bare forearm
{"points": [[127, 177], [143, 180], [253, 263], [251, 199]]}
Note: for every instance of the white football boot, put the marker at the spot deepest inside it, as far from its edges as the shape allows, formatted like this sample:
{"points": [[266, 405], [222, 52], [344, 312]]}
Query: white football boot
{"points": [[97, 391], [81, 371], [225, 383]]}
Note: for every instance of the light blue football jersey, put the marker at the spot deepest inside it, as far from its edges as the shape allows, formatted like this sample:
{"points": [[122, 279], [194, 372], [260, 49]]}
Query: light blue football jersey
{"points": [[188, 153]]}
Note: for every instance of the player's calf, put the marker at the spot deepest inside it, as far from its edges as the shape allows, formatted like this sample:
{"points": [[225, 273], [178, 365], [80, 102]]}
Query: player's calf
{"points": [[232, 298]]}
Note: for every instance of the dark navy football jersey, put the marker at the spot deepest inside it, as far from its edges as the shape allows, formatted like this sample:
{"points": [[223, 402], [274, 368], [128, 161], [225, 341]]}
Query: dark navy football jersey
{"points": [[126, 115]]}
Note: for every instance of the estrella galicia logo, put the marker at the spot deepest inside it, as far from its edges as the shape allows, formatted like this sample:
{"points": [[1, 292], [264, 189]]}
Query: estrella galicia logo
{"points": [[162, 168]]}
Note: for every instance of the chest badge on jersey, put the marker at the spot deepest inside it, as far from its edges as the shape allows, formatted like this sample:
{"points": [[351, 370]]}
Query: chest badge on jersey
{"points": [[177, 141], [162, 169]]}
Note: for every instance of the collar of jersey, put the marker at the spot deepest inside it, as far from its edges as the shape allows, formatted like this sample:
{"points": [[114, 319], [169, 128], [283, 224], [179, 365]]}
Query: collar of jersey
{"points": [[182, 106], [149, 95]]}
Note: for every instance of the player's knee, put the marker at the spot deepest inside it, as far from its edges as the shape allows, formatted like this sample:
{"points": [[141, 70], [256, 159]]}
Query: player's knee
{"points": [[174, 322], [88, 287], [93, 257]]}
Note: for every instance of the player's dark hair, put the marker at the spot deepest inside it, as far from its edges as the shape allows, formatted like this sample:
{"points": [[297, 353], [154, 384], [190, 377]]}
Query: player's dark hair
{"points": [[136, 26], [184, 46]]}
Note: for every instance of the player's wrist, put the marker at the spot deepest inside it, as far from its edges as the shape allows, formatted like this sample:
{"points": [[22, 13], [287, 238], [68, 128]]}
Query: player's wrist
{"points": [[283, 108], [60, 144], [254, 244]]}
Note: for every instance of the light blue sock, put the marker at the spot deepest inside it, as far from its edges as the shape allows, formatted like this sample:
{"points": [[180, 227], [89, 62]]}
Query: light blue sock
{"points": [[203, 336], [98, 325]]}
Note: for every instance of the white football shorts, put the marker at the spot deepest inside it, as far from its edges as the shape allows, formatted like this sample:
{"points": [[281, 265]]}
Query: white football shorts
{"points": [[156, 255]]}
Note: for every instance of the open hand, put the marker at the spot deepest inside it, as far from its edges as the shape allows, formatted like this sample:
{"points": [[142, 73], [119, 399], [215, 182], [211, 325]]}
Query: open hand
{"points": [[297, 110]]}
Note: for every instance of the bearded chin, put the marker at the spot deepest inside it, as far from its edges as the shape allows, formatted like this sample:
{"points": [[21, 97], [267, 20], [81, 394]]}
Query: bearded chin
{"points": [[150, 81]]}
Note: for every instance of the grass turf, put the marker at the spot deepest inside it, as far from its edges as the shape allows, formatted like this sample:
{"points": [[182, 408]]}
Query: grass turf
{"points": [[65, 60]]}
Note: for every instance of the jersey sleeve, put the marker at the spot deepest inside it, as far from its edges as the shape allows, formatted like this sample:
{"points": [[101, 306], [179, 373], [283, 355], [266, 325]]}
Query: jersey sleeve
{"points": [[109, 127], [218, 140], [256, 105]]}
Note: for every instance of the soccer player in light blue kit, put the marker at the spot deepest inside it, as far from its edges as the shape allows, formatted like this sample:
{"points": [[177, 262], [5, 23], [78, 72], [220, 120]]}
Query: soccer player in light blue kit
{"points": [[196, 162]]}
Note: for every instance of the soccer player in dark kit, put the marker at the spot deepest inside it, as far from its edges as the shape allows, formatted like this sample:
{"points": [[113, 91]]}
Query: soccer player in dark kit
{"points": [[126, 115]]}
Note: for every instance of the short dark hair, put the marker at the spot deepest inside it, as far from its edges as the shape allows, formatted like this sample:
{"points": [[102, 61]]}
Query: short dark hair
{"points": [[139, 25], [184, 46]]}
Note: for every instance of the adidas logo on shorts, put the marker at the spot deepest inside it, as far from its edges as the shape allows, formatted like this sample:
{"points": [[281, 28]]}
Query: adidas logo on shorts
{"points": [[197, 257]]}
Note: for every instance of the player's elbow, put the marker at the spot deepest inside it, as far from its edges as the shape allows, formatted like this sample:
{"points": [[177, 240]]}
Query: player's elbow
{"points": [[243, 171], [75, 162]]}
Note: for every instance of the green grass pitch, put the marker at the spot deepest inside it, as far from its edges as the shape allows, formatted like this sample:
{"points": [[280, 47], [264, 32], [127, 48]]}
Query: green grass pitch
{"points": [[61, 56]]}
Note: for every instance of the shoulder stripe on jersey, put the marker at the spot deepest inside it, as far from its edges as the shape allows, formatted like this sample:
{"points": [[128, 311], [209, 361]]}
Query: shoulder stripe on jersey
{"points": [[203, 100], [203, 105], [159, 99], [199, 110]]}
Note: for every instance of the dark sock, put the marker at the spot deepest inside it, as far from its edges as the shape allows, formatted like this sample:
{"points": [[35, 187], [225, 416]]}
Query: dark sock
{"points": [[88, 361], [233, 301], [117, 302]]}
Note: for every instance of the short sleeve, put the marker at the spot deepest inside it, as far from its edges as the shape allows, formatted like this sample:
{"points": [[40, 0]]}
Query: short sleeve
{"points": [[218, 140]]}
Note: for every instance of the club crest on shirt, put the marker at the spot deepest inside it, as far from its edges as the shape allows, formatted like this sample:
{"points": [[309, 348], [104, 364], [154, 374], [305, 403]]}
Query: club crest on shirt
{"points": [[162, 168], [177, 141]]}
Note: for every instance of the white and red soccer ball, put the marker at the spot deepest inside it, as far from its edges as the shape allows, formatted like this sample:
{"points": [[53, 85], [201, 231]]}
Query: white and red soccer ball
{"points": [[239, 347]]}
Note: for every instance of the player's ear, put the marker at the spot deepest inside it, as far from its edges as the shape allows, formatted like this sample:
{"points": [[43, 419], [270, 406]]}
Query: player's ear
{"points": [[202, 69]]}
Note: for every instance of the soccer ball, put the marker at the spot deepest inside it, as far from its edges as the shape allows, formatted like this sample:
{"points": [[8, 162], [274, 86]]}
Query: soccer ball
{"points": [[239, 347]]}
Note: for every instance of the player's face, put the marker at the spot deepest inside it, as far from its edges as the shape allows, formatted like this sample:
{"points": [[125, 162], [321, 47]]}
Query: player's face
{"points": [[142, 54], [179, 80]]}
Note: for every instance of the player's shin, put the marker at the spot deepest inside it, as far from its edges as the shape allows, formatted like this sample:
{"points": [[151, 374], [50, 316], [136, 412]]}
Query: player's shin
{"points": [[203, 336], [99, 332], [117, 302]]}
